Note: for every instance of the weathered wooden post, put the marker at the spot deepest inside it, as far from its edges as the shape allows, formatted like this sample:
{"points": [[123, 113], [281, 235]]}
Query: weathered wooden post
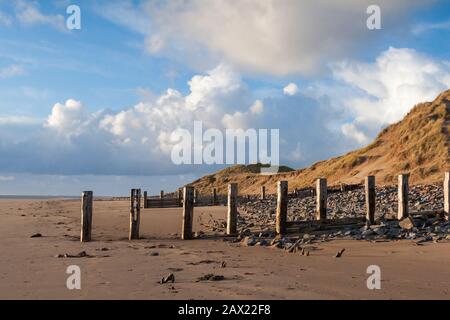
{"points": [[447, 195], [370, 199], [145, 200], [86, 216], [403, 190], [263, 193], [161, 194], [321, 199], [188, 213], [282, 204], [232, 209], [135, 213], [214, 196]]}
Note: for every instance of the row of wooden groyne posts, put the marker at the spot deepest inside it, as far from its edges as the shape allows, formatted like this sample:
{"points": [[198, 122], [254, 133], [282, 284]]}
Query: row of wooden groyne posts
{"points": [[187, 200]]}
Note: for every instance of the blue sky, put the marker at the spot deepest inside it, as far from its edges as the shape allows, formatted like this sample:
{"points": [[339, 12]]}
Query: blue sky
{"points": [[93, 107]]}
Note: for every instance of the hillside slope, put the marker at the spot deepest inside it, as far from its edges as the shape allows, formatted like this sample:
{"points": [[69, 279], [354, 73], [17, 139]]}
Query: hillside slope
{"points": [[419, 144]]}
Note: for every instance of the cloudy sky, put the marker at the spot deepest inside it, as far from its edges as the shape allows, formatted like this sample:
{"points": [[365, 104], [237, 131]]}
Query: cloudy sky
{"points": [[93, 109]]}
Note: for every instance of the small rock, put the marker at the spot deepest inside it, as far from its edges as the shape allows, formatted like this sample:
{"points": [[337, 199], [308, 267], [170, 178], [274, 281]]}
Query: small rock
{"points": [[407, 223], [339, 253], [36, 235], [169, 278], [211, 277]]}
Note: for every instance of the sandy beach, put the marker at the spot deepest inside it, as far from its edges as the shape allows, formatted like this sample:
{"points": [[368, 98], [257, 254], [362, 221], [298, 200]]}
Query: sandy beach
{"points": [[120, 269]]}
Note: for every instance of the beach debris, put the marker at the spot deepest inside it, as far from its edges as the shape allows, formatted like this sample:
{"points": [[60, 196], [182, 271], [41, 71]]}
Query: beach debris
{"points": [[223, 264], [153, 254], [211, 277], [426, 220], [407, 223], [339, 253], [82, 254], [169, 278], [36, 235]]}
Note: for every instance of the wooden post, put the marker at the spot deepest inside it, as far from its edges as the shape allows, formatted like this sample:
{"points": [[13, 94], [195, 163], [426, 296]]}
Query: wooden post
{"points": [[321, 199], [161, 194], [180, 197], [145, 200], [188, 213], [86, 216], [232, 209], [403, 190], [447, 195], [135, 213], [370, 199], [214, 196], [263, 193], [282, 204]]}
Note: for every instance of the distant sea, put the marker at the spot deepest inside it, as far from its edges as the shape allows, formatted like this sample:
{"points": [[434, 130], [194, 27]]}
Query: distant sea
{"points": [[38, 197]]}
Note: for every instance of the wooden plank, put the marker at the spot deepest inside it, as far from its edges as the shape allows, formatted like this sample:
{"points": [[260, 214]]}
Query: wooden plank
{"points": [[370, 199], [282, 202], [86, 215], [447, 195], [145, 199], [214, 196], [321, 199], [232, 209], [188, 213], [403, 189], [263, 193], [135, 214]]}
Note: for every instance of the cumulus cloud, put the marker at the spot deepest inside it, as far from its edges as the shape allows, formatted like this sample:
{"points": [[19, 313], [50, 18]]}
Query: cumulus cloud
{"points": [[338, 116], [68, 119], [384, 91], [291, 89], [270, 36], [138, 140]]}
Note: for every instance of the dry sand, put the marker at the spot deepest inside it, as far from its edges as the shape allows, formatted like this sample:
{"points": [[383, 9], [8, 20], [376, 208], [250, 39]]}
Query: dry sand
{"points": [[30, 270]]}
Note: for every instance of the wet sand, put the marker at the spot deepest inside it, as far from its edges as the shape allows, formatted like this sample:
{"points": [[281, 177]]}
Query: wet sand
{"points": [[122, 269]]}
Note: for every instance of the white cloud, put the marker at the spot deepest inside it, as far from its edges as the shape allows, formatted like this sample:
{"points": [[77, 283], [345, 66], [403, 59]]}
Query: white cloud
{"points": [[291, 89], [392, 85], [270, 36], [350, 130], [28, 13], [11, 71], [257, 107], [68, 119], [137, 140]]}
